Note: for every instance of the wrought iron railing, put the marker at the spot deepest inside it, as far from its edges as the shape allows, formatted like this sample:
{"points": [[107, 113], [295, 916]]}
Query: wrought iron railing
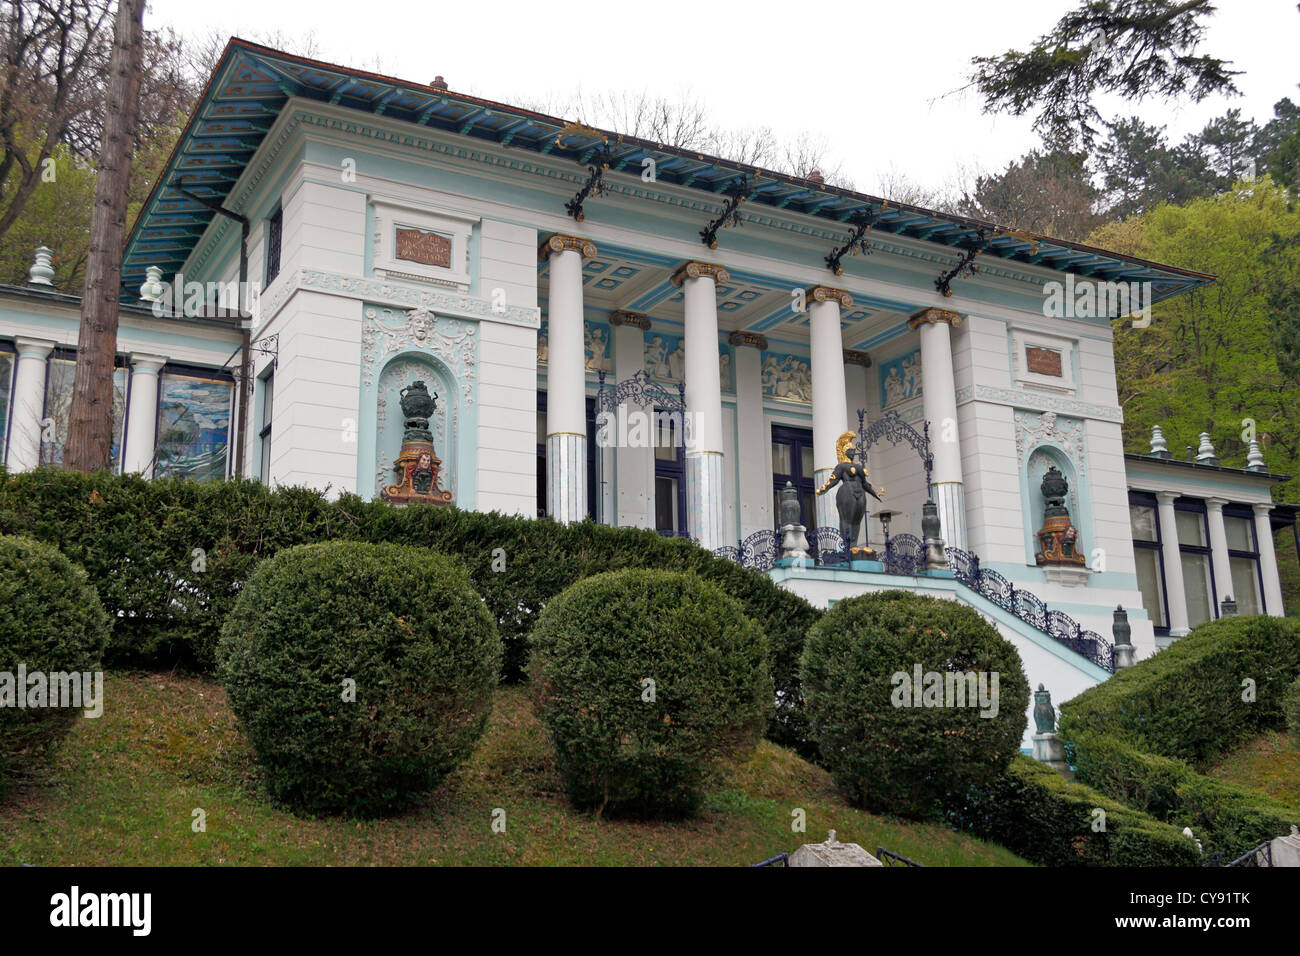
{"points": [[781, 859], [890, 858], [904, 554], [1030, 608], [1261, 855]]}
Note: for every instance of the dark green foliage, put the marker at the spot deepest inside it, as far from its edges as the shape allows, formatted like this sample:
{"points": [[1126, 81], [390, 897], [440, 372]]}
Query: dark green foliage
{"points": [[1291, 706], [406, 626], [51, 621], [594, 648], [907, 759], [1035, 812], [1187, 701], [1141, 736], [137, 541]]}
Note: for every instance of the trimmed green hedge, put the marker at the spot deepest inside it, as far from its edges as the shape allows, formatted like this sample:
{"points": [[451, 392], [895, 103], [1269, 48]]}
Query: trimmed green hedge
{"points": [[646, 681], [1035, 812], [170, 557], [1141, 736], [1187, 701], [884, 749], [363, 673], [51, 622], [1291, 706]]}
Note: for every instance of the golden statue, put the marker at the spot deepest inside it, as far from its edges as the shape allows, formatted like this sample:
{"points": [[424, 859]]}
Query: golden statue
{"points": [[851, 499]]}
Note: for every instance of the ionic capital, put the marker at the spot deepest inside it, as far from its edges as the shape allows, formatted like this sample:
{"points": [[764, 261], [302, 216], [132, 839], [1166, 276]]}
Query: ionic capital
{"points": [[751, 339], [561, 241], [932, 316], [623, 317], [825, 293], [696, 270]]}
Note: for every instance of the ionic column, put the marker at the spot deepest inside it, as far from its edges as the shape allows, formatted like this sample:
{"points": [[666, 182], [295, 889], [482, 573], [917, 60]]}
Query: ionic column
{"points": [[1219, 551], [566, 376], [940, 404], [1174, 589], [633, 464], [29, 403], [705, 495], [142, 414], [1273, 604], [829, 393], [752, 437]]}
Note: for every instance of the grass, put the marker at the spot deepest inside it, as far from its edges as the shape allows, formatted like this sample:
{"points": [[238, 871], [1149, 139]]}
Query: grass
{"points": [[1269, 764], [123, 789]]}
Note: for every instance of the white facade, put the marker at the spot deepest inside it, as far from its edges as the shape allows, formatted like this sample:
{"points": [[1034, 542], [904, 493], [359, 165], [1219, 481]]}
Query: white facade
{"points": [[410, 251]]}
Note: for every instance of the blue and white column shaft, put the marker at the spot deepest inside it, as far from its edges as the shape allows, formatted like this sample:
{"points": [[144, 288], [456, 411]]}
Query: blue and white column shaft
{"points": [[940, 402], [142, 415], [705, 491], [566, 417], [28, 404], [829, 393]]}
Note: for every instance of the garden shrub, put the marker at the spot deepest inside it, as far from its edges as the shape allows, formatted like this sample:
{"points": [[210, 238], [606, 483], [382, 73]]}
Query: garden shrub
{"points": [[1142, 736], [1291, 707], [51, 622], [906, 759], [170, 558], [405, 625], [622, 744], [1035, 812]]}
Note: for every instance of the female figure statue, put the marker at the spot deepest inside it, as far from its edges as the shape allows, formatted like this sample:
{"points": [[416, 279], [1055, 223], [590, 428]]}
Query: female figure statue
{"points": [[851, 499]]}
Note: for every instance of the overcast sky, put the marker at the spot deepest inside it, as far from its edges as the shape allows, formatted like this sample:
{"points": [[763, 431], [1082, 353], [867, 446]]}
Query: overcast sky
{"points": [[869, 77]]}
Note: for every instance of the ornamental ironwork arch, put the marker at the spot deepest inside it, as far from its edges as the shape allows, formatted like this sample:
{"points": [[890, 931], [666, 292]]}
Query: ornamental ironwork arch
{"points": [[892, 427], [641, 390]]}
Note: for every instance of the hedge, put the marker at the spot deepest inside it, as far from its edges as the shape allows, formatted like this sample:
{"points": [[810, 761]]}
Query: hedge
{"points": [[170, 557], [1141, 736], [362, 673], [51, 622], [647, 681], [886, 751], [1035, 812]]}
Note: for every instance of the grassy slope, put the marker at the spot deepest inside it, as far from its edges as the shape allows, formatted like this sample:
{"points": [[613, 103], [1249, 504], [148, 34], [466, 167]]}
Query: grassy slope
{"points": [[123, 787], [1270, 764]]}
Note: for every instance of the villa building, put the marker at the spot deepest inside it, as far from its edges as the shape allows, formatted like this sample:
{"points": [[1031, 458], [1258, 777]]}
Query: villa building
{"points": [[648, 337]]}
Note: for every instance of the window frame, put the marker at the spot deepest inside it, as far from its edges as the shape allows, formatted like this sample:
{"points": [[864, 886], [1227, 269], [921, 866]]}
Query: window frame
{"points": [[1244, 511], [197, 371], [797, 438], [1144, 499], [274, 245], [1197, 506]]}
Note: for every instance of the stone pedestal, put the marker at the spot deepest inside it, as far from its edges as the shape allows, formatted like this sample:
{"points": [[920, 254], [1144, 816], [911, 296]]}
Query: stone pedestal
{"points": [[832, 853], [794, 541], [1069, 576], [1050, 750], [1124, 656]]}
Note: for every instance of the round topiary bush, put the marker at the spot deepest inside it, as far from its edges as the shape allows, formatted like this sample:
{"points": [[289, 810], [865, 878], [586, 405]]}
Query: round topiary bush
{"points": [[363, 673], [51, 625], [903, 749], [646, 680]]}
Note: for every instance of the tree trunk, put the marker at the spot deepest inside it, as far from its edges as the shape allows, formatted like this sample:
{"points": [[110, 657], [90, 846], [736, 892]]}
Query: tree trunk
{"points": [[90, 429]]}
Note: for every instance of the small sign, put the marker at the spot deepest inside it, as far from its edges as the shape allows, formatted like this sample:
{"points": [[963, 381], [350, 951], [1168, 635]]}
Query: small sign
{"points": [[426, 248], [1042, 361]]}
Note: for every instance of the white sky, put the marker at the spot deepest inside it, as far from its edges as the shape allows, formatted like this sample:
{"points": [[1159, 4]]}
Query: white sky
{"points": [[867, 76]]}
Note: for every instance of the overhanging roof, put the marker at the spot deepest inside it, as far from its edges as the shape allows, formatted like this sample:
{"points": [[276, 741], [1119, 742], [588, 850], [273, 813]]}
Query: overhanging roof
{"points": [[252, 83]]}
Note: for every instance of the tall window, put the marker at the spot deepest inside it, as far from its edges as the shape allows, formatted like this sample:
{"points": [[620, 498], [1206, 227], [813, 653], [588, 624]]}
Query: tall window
{"points": [[1243, 561], [61, 369], [1144, 519], [792, 461], [274, 228], [670, 471], [1194, 552], [193, 423], [264, 435]]}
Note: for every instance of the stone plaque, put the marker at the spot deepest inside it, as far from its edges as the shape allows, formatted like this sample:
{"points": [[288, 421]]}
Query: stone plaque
{"points": [[1043, 361], [426, 248]]}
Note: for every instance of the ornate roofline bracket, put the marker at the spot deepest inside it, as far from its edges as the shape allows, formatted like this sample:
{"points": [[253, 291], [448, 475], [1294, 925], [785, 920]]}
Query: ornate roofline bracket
{"points": [[965, 265], [736, 192], [857, 244], [595, 186]]}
